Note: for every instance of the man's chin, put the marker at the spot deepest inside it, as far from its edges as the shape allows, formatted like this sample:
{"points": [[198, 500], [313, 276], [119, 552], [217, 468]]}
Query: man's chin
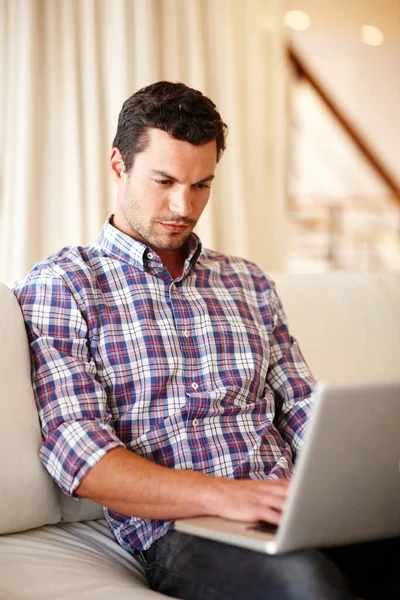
{"points": [[173, 245], [173, 241]]}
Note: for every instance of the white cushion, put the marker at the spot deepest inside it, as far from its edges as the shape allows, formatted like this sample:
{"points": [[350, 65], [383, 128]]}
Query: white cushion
{"points": [[28, 496], [79, 561], [79, 510], [347, 325]]}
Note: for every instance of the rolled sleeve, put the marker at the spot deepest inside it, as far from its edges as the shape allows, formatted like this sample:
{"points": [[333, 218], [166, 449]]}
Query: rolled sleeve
{"points": [[290, 378], [77, 425]]}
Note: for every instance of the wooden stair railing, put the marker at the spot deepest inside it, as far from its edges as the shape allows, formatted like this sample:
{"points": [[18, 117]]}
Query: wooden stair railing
{"points": [[303, 70]]}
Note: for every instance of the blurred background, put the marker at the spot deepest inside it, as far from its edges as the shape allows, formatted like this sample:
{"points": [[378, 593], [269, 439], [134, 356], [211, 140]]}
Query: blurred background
{"points": [[310, 89]]}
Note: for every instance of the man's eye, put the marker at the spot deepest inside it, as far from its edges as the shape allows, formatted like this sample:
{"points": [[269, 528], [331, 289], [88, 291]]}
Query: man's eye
{"points": [[163, 181], [202, 186]]}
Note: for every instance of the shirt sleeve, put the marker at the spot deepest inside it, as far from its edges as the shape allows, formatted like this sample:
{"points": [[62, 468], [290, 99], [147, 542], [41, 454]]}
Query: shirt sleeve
{"points": [[77, 424], [289, 377]]}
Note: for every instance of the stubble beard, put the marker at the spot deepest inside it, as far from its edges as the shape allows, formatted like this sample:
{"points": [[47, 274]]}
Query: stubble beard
{"points": [[147, 234]]}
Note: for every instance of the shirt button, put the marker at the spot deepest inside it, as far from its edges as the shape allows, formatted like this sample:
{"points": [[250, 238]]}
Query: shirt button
{"points": [[195, 422], [150, 255], [195, 386], [186, 333]]}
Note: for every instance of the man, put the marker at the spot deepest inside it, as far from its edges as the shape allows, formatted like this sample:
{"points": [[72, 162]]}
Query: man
{"points": [[166, 380]]}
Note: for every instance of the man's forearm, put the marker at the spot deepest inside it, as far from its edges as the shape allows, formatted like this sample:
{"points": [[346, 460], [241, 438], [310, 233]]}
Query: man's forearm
{"points": [[132, 485]]}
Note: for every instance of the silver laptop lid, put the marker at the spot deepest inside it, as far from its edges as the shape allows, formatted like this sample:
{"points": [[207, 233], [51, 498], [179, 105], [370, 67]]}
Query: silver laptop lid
{"points": [[346, 486]]}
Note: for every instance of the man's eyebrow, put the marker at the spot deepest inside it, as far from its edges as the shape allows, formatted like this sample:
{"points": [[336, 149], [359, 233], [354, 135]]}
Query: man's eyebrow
{"points": [[208, 178], [163, 174], [171, 178]]}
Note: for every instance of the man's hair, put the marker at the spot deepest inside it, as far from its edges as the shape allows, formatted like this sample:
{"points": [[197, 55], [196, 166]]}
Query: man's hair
{"points": [[175, 108]]}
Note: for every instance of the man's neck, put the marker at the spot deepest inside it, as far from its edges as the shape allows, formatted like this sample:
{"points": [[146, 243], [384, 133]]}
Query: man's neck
{"points": [[174, 260]]}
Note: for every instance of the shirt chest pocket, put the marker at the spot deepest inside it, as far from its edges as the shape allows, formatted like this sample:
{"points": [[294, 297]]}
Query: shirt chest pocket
{"points": [[239, 355]]}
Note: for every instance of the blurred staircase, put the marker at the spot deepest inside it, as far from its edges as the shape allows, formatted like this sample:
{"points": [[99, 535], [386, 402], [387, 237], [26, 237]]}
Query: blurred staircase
{"points": [[359, 230]]}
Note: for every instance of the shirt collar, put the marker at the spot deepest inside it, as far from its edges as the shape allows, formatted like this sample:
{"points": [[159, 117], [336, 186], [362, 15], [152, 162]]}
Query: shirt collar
{"points": [[117, 244]]}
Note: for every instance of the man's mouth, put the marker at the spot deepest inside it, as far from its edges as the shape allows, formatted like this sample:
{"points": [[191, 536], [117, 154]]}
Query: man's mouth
{"points": [[174, 227]]}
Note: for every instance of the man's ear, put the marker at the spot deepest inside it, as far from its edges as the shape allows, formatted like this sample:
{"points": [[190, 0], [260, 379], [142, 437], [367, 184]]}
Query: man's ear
{"points": [[117, 165]]}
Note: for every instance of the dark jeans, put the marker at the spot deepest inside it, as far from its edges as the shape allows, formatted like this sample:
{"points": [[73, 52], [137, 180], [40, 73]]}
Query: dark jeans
{"points": [[193, 568]]}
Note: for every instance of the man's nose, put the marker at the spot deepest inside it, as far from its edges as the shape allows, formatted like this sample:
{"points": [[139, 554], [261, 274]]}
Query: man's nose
{"points": [[180, 202]]}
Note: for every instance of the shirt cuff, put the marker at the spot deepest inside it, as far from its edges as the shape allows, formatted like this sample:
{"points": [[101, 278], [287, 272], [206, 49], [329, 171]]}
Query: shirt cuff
{"points": [[72, 450]]}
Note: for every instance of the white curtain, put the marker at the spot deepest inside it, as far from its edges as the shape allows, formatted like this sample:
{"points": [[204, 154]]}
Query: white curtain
{"points": [[66, 66]]}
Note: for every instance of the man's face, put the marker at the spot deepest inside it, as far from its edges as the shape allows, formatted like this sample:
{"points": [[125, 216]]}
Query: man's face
{"points": [[161, 199]]}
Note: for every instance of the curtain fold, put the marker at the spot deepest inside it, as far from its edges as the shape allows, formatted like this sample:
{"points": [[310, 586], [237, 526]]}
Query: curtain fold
{"points": [[66, 66]]}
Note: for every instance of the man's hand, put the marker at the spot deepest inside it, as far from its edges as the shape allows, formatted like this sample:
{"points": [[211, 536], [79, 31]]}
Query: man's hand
{"points": [[134, 486], [249, 500]]}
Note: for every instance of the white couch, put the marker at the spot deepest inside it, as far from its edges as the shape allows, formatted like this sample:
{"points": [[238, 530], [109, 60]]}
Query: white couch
{"points": [[55, 548]]}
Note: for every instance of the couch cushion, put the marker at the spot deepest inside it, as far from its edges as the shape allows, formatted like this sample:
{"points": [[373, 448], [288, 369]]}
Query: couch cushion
{"points": [[79, 561], [28, 496], [347, 325], [78, 510]]}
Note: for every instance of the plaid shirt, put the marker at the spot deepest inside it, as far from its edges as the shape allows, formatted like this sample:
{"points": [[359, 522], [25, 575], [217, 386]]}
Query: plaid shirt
{"points": [[194, 373]]}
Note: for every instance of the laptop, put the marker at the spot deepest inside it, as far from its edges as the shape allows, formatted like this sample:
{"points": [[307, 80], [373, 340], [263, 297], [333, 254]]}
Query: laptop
{"points": [[346, 480]]}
